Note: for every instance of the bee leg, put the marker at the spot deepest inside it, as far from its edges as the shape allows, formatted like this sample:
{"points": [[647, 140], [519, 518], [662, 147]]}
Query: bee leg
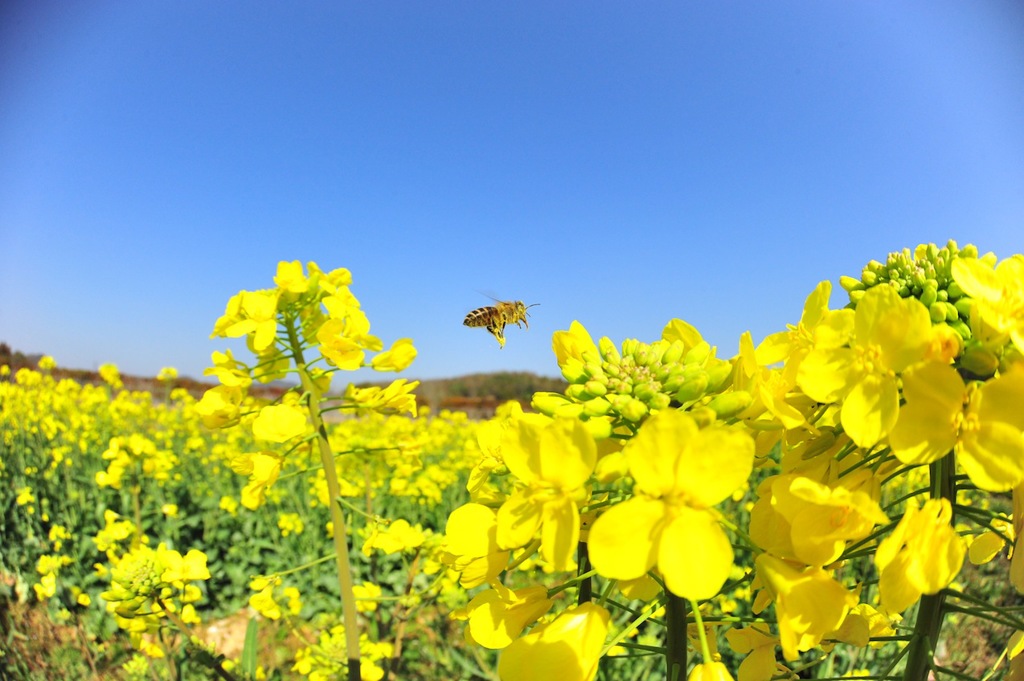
{"points": [[498, 331]]}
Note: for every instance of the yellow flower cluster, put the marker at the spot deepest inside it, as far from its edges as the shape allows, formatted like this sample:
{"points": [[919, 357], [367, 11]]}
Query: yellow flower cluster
{"points": [[837, 427]]}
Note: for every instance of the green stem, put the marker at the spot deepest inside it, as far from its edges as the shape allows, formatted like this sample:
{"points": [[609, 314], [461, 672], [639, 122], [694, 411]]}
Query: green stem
{"points": [[675, 643], [345, 582], [921, 650]]}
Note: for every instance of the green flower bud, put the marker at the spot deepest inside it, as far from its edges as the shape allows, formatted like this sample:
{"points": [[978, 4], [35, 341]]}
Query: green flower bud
{"points": [[968, 251], [547, 402], [855, 296], [578, 391], [673, 353], [572, 410], [704, 416], [963, 307], [820, 444], [573, 371], [979, 360], [729, 404], [645, 390], [929, 295], [962, 329], [693, 389], [608, 350], [952, 314], [596, 388], [660, 401], [629, 346], [718, 375], [598, 406], [593, 369], [655, 352], [955, 292], [611, 369], [662, 373], [850, 284], [698, 353], [868, 277], [600, 429], [635, 411], [937, 311]]}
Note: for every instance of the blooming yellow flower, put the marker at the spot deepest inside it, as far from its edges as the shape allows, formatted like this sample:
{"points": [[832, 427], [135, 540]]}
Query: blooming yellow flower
{"points": [[219, 406], [553, 459], [263, 600], [397, 398], [111, 376], [262, 469], [759, 648], [290, 523], [983, 424], [808, 603], [397, 537], [573, 348], [710, 671], [167, 374], [290, 278], [470, 545], [398, 358], [921, 556], [998, 292], [889, 334], [681, 471], [793, 345], [250, 313], [800, 518], [279, 423], [496, 617], [565, 649], [367, 594]]}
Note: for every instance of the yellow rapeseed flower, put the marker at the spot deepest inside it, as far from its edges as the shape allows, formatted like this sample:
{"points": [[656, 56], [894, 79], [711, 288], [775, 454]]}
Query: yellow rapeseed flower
{"points": [[983, 423], [566, 649], [921, 556], [681, 471], [889, 334], [553, 460]]}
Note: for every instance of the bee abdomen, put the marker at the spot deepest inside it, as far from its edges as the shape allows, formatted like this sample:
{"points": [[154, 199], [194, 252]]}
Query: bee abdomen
{"points": [[478, 317]]}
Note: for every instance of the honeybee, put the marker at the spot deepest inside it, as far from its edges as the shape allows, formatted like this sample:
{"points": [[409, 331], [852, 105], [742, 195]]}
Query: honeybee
{"points": [[495, 317]]}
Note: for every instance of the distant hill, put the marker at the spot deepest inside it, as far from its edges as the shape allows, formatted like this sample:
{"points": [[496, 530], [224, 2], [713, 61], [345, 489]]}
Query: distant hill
{"points": [[476, 394], [480, 394]]}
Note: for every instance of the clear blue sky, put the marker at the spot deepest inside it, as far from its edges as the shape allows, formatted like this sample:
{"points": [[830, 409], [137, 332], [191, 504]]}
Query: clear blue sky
{"points": [[620, 163]]}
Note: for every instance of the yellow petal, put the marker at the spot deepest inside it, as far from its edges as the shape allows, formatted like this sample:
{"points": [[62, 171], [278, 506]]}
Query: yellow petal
{"points": [[622, 541], [566, 649], [694, 555], [519, 518], [560, 534], [926, 428], [870, 409], [471, 530]]}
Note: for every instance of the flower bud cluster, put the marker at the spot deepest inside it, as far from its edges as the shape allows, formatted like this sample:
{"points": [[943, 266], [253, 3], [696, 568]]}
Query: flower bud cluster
{"points": [[925, 274], [637, 380]]}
